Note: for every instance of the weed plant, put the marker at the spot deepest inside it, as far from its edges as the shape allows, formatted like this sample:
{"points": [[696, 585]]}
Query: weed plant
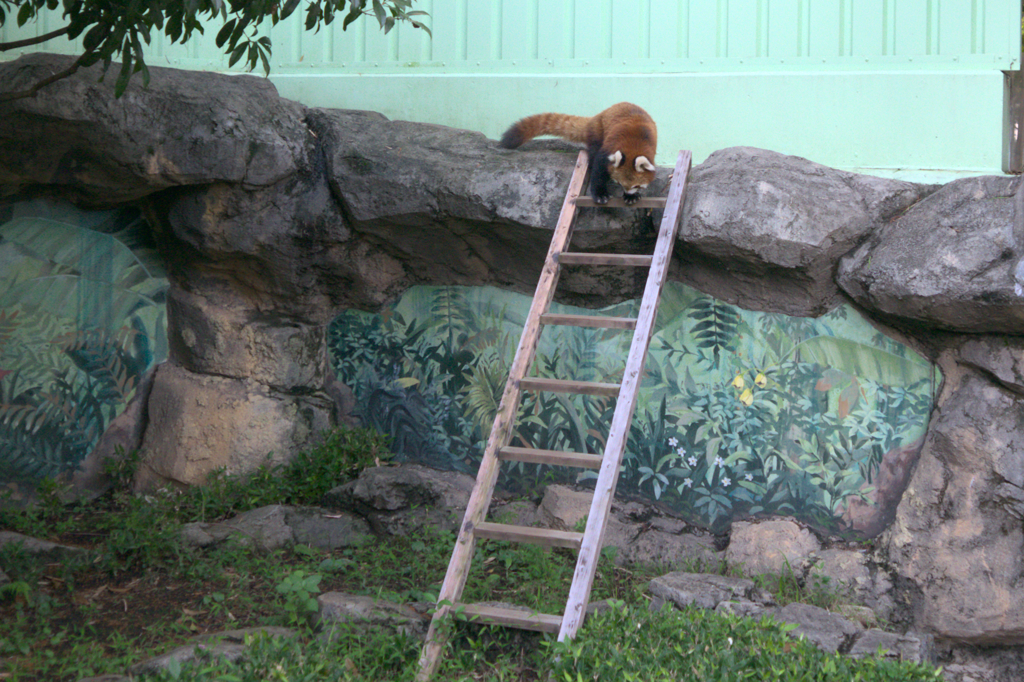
{"points": [[137, 592], [696, 645]]}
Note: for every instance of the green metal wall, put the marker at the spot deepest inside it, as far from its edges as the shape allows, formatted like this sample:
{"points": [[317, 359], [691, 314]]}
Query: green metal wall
{"points": [[876, 85]]}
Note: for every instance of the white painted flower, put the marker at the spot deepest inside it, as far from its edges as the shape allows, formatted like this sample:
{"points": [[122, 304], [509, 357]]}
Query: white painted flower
{"points": [[692, 461], [680, 451], [719, 462], [687, 482], [749, 477], [726, 481], [672, 442]]}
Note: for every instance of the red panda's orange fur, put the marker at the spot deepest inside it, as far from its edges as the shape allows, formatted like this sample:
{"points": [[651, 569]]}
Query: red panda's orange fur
{"points": [[616, 139]]}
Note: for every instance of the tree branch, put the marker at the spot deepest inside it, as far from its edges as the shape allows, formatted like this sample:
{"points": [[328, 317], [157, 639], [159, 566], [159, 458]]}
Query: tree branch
{"points": [[27, 42]]}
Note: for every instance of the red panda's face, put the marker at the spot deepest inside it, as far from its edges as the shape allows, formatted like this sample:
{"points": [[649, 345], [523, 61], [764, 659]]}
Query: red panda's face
{"points": [[634, 174]]}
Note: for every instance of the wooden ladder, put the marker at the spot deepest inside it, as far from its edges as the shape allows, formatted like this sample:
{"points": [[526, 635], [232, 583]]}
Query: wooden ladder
{"points": [[589, 542]]}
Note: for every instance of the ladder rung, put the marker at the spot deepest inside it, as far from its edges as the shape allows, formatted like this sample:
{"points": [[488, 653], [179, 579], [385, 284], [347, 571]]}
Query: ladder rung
{"points": [[534, 536], [623, 259], [588, 544], [495, 615], [598, 321], [553, 457], [619, 202], [564, 386]]}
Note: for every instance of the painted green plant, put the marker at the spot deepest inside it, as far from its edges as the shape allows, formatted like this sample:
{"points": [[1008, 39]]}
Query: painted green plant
{"points": [[81, 320], [740, 413]]}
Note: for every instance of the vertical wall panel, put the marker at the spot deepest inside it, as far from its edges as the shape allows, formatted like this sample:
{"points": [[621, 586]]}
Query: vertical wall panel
{"points": [[994, 32], [644, 51], [519, 31], [824, 30], [408, 45], [896, 63], [717, 34], [910, 28], [763, 27], [889, 28], [683, 30], [702, 29], [593, 39], [783, 22], [480, 21], [867, 28], [448, 32], [627, 36], [845, 48], [741, 28], [955, 20], [554, 31]]}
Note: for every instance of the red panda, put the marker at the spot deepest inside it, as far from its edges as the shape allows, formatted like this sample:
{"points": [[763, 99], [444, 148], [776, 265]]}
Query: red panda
{"points": [[621, 140]]}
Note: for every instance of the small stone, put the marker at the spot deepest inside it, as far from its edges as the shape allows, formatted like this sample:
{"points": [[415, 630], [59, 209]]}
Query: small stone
{"points": [[828, 631], [775, 546], [562, 507], [742, 608], [229, 645], [917, 648], [705, 590], [339, 607]]}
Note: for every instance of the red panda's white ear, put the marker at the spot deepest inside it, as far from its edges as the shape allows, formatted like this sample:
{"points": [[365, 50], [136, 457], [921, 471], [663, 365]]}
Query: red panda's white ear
{"points": [[615, 159], [643, 164]]}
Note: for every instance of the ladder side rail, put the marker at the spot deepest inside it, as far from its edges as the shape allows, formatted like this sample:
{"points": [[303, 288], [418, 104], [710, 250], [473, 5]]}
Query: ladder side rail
{"points": [[604, 492], [487, 474]]}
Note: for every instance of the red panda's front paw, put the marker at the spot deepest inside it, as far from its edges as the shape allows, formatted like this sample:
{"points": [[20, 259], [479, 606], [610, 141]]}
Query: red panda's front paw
{"points": [[601, 199], [631, 199]]}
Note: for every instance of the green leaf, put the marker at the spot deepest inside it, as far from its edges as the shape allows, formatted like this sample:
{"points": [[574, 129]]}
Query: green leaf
{"points": [[864, 361], [95, 37], [225, 32], [126, 72], [141, 66], [264, 58], [236, 55], [313, 16], [354, 13], [26, 12], [288, 8], [239, 32]]}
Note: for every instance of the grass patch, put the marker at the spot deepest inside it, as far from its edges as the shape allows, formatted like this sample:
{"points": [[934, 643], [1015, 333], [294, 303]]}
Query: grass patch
{"points": [[137, 592]]}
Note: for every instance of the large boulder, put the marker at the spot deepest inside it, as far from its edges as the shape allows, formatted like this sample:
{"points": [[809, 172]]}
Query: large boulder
{"points": [[945, 264], [186, 128], [199, 423], [957, 540], [454, 207], [215, 332], [765, 230]]}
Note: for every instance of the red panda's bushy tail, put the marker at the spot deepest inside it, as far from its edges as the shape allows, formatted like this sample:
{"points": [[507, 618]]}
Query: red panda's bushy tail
{"points": [[571, 128]]}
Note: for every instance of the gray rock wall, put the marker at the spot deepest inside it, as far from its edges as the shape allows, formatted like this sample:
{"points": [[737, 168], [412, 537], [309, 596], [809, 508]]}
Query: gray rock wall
{"points": [[274, 217]]}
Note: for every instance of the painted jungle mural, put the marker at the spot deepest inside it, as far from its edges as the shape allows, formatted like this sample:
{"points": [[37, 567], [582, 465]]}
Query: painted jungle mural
{"points": [[81, 320], [740, 414]]}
